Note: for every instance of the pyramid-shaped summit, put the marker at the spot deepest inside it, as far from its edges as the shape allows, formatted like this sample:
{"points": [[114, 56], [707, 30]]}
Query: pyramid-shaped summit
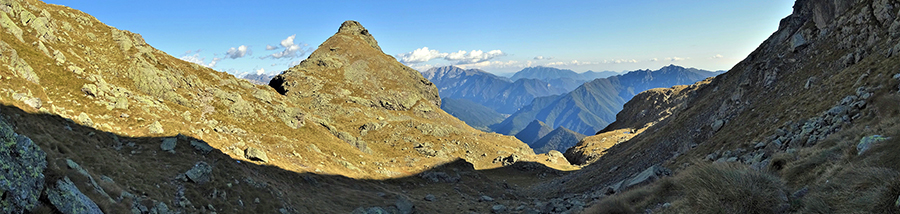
{"points": [[350, 65], [371, 101]]}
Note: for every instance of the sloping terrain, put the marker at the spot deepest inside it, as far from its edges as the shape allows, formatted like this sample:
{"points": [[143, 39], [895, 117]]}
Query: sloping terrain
{"points": [[533, 132], [559, 139], [594, 104], [129, 116], [474, 114], [807, 123]]}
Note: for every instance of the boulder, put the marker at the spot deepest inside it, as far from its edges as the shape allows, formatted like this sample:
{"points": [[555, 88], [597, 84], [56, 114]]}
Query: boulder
{"points": [[200, 173], [647, 176], [201, 146], [168, 144], [155, 128], [498, 208], [66, 197], [84, 119], [34, 102], [867, 142], [404, 205], [22, 164], [716, 125], [256, 154]]}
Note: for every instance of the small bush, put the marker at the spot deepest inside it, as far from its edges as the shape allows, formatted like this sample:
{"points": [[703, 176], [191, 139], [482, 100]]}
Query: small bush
{"points": [[722, 188]]}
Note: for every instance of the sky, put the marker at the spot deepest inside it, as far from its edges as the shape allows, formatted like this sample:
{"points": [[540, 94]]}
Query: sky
{"points": [[502, 37]]}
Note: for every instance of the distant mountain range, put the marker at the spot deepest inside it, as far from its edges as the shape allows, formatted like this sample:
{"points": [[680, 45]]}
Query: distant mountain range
{"points": [[548, 73], [259, 79], [498, 93], [594, 104]]}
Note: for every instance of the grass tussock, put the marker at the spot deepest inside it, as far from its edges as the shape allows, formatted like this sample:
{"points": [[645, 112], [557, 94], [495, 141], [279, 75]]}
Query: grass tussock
{"points": [[855, 189], [705, 188], [635, 200], [725, 188]]}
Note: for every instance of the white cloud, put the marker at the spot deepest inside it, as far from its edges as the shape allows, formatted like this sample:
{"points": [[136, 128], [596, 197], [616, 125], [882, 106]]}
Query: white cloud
{"points": [[573, 62], [620, 61], [717, 56], [240, 51], [673, 59], [291, 49], [654, 59], [475, 56], [460, 57], [196, 59], [542, 58], [420, 55], [294, 63], [260, 71]]}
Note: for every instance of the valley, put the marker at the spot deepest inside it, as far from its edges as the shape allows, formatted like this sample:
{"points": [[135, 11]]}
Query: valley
{"points": [[94, 119]]}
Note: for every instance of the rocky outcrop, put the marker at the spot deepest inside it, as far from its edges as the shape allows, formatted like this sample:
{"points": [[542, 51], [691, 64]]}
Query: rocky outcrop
{"points": [[22, 175], [66, 197]]}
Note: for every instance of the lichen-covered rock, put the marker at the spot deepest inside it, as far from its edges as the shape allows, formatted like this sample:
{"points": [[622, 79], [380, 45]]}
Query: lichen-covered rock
{"points": [[867, 142], [200, 173], [22, 164], [66, 197]]}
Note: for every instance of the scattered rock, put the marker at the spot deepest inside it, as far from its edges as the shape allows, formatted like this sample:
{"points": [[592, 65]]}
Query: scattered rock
{"points": [[716, 125], [439, 177], [506, 161], [21, 165], [759, 145], [34, 102], [485, 198], [200, 173], [371, 210], [84, 119], [256, 154], [66, 197], [430, 197], [649, 175], [168, 144], [404, 205], [156, 128], [797, 41], [867, 142], [201, 146], [499, 208]]}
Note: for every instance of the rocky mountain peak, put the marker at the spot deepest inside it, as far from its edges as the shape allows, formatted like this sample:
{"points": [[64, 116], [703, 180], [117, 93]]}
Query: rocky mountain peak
{"points": [[354, 28]]}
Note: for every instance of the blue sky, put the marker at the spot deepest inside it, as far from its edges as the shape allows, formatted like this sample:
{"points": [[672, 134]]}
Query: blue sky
{"points": [[496, 36]]}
